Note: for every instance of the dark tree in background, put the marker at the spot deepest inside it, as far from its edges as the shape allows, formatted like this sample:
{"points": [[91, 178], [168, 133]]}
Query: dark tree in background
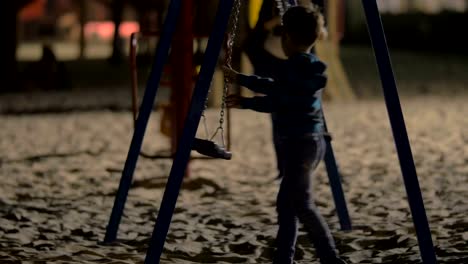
{"points": [[117, 7], [9, 20]]}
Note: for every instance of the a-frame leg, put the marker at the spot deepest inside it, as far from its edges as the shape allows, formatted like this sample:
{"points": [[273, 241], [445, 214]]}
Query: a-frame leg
{"points": [[334, 179], [400, 135], [182, 155], [146, 108]]}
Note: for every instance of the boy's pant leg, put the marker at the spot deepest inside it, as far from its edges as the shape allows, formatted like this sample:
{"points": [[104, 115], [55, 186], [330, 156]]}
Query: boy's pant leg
{"points": [[301, 159], [308, 214], [287, 225]]}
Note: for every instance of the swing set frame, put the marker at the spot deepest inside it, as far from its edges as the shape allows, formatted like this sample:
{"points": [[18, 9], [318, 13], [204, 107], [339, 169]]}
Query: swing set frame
{"points": [[196, 108]]}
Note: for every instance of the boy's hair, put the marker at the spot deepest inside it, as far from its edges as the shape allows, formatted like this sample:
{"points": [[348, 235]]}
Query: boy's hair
{"points": [[303, 24]]}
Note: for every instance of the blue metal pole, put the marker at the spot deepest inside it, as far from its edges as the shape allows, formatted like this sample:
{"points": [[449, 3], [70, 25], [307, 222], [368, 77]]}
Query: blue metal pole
{"points": [[182, 155], [400, 135], [146, 108], [334, 178]]}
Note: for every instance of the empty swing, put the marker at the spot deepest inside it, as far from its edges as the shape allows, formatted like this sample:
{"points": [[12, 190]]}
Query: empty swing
{"points": [[208, 146]]}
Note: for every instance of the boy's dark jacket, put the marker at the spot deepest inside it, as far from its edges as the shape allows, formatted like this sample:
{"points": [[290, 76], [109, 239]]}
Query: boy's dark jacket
{"points": [[294, 98]]}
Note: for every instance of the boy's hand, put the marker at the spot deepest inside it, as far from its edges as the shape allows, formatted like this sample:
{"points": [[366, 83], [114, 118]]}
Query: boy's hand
{"points": [[230, 74], [233, 101]]}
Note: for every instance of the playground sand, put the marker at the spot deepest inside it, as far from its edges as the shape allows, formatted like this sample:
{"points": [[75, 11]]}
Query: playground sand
{"points": [[60, 172]]}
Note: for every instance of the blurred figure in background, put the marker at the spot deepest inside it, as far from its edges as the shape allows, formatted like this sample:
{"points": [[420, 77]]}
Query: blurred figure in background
{"points": [[47, 73]]}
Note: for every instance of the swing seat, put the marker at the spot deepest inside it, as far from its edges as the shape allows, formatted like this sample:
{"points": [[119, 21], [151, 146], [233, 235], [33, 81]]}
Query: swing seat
{"points": [[211, 149]]}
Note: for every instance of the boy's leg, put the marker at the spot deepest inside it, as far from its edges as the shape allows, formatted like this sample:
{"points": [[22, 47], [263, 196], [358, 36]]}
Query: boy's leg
{"points": [[305, 156], [287, 225]]}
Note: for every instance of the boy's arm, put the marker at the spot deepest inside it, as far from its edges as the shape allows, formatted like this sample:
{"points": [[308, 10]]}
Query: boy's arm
{"points": [[263, 104], [257, 84]]}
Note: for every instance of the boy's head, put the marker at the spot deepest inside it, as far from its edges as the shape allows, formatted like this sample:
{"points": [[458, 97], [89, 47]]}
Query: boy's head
{"points": [[302, 26]]}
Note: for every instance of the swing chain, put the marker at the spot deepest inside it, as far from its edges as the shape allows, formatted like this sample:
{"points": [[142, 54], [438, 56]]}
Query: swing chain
{"points": [[283, 6], [231, 36], [233, 32], [230, 42]]}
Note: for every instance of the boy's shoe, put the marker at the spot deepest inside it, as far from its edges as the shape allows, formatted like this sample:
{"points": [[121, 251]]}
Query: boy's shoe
{"points": [[211, 149]]}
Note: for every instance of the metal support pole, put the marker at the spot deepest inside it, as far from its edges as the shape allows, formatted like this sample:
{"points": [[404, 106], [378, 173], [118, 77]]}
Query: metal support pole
{"points": [[181, 73], [400, 134], [134, 75], [142, 121], [334, 178]]}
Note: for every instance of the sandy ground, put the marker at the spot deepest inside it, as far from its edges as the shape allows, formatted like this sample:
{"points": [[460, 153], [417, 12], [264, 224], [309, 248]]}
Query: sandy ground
{"points": [[59, 174]]}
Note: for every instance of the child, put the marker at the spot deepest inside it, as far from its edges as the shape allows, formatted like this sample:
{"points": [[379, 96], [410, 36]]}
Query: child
{"points": [[295, 98], [267, 57]]}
